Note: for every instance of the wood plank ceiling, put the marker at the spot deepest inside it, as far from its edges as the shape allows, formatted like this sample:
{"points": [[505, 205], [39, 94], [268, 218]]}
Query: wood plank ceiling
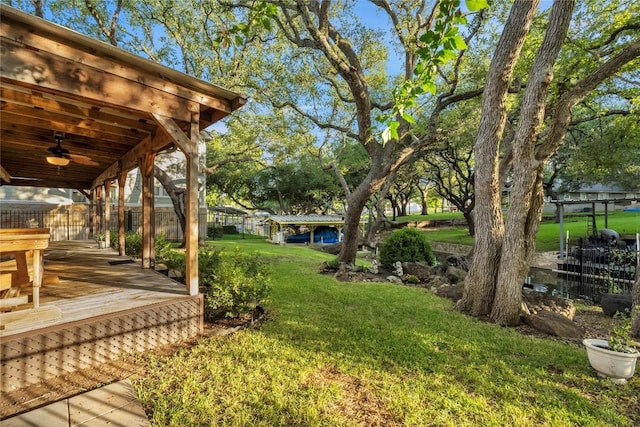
{"points": [[100, 99]]}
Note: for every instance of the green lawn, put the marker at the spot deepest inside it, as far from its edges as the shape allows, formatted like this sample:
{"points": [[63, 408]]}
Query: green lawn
{"points": [[361, 354], [548, 238]]}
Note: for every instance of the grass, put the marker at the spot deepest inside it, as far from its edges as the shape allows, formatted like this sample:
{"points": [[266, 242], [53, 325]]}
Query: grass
{"points": [[548, 235], [360, 354]]}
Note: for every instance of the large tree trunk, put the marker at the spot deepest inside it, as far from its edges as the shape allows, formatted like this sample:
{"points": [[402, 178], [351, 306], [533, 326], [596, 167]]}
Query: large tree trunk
{"points": [[177, 196], [471, 222], [530, 155], [525, 206], [479, 287], [370, 239], [356, 202], [521, 239]]}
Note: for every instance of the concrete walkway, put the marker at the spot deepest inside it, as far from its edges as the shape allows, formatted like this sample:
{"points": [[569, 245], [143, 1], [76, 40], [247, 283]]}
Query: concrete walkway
{"points": [[114, 405]]}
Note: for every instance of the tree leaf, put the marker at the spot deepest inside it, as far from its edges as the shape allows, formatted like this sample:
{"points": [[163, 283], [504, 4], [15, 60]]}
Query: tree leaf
{"points": [[459, 42], [474, 5], [408, 118]]}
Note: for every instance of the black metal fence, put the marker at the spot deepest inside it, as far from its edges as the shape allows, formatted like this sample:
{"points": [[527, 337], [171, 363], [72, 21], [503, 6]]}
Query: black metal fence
{"points": [[594, 267], [72, 225], [63, 225]]}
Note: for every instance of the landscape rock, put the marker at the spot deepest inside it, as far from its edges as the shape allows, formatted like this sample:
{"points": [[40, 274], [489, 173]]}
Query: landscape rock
{"points": [[552, 323], [421, 270], [455, 274], [452, 292], [394, 279], [613, 303], [397, 269], [538, 301], [333, 248], [459, 261], [437, 281]]}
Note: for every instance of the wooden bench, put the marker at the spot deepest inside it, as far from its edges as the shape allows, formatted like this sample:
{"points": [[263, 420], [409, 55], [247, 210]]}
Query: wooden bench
{"points": [[21, 249]]}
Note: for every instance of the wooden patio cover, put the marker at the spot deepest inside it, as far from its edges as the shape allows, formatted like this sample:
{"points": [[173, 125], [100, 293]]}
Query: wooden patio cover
{"points": [[115, 111]]}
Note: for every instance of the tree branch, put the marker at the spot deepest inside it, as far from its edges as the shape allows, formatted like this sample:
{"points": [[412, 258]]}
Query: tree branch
{"points": [[562, 111]]}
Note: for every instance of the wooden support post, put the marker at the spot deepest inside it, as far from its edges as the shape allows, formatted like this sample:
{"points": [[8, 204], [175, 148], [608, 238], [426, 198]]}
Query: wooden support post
{"points": [[92, 211], [148, 217], [189, 146], [97, 226], [122, 179], [191, 274], [107, 213]]}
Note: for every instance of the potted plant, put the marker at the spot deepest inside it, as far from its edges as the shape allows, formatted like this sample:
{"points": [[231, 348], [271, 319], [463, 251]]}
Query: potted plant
{"points": [[100, 238], [614, 358]]}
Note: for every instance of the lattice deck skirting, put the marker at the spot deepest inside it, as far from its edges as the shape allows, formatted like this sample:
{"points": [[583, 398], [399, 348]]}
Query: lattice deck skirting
{"points": [[34, 356]]}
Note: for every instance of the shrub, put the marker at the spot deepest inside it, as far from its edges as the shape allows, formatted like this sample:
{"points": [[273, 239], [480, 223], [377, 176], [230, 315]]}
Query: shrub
{"points": [[214, 232], [229, 229], [411, 279], [237, 282], [406, 245], [132, 243], [334, 263], [167, 255]]}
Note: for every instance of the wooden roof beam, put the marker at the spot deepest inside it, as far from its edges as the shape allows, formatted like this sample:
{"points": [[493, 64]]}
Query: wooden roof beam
{"points": [[46, 72], [214, 97], [151, 144], [77, 109]]}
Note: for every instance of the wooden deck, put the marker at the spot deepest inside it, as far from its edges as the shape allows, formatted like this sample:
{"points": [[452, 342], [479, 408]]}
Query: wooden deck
{"points": [[89, 286], [105, 309]]}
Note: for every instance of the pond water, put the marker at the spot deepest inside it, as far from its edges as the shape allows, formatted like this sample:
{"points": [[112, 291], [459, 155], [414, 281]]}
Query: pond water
{"points": [[544, 280]]}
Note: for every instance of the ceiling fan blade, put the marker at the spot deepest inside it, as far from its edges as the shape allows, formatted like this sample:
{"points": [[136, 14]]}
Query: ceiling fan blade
{"points": [[83, 160], [24, 178]]}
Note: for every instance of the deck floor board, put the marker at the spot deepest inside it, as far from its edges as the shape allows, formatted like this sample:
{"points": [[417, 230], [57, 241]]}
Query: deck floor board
{"points": [[89, 286]]}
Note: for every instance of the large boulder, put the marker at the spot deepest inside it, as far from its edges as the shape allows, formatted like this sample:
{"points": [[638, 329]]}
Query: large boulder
{"points": [[394, 279], [614, 303], [437, 281], [452, 292], [455, 274], [459, 261], [332, 248], [553, 323], [421, 270]]}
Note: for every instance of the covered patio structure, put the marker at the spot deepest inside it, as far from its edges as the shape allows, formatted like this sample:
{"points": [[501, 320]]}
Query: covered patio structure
{"points": [[278, 225], [78, 113]]}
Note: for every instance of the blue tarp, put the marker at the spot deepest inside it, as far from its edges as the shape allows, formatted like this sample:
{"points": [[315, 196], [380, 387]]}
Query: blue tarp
{"points": [[322, 234]]}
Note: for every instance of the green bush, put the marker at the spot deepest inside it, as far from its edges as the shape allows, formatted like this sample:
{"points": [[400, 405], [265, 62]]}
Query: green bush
{"points": [[237, 282], [214, 232], [167, 255], [406, 245], [334, 263], [132, 243], [229, 229]]}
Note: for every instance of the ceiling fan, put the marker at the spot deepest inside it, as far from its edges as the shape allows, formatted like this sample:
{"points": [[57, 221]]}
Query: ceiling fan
{"points": [[59, 156]]}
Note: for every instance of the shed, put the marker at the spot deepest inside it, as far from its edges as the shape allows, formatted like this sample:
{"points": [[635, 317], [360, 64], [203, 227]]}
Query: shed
{"points": [[279, 223]]}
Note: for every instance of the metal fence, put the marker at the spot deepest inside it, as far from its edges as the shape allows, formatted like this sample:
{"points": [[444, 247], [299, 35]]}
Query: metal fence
{"points": [[70, 225], [594, 267], [67, 225]]}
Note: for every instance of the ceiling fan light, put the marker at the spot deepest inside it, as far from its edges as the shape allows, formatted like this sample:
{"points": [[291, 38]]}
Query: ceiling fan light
{"points": [[57, 161]]}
